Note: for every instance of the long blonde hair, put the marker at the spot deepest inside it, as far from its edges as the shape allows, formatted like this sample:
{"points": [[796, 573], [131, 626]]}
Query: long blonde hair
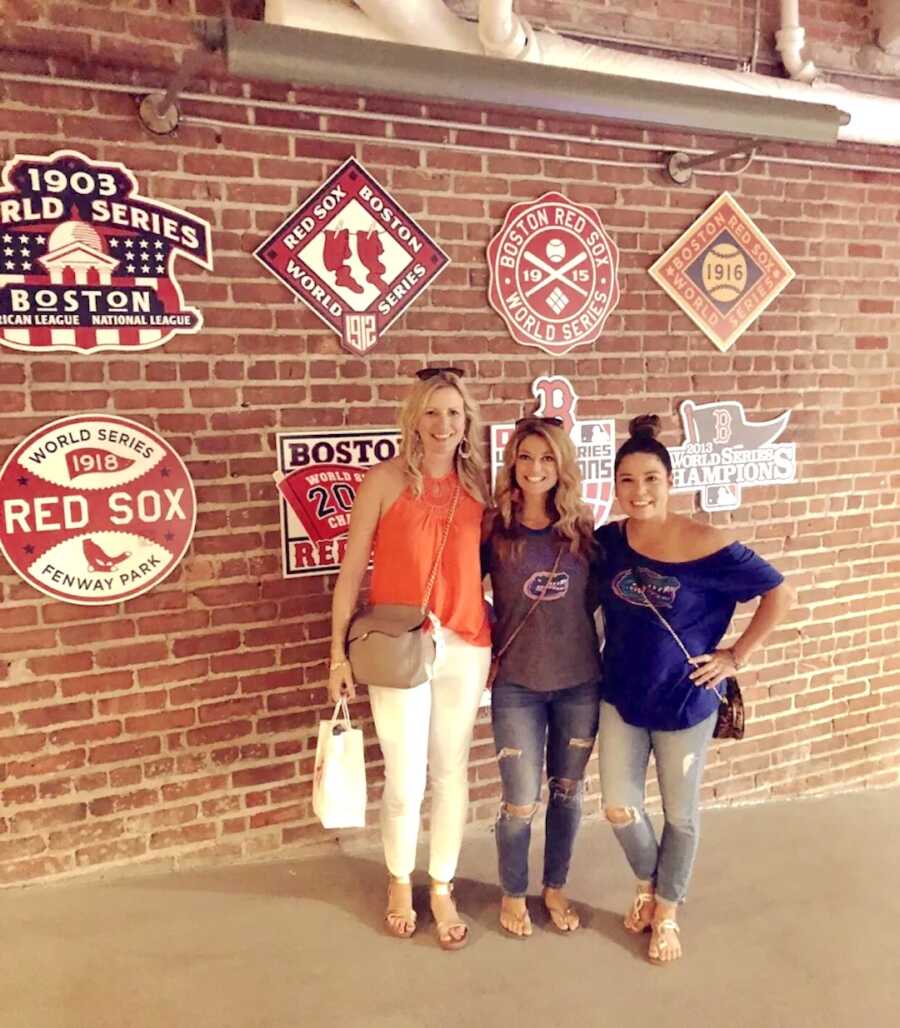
{"points": [[569, 516], [469, 460]]}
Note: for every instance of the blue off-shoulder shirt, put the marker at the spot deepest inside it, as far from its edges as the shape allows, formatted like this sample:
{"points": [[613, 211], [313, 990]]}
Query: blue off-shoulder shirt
{"points": [[646, 675]]}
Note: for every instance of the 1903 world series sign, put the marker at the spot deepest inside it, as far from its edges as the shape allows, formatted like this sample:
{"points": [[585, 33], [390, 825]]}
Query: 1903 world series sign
{"points": [[86, 263]]}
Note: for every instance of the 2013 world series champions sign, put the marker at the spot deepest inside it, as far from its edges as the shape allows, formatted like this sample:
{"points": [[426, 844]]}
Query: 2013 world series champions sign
{"points": [[86, 263], [318, 475], [723, 452]]}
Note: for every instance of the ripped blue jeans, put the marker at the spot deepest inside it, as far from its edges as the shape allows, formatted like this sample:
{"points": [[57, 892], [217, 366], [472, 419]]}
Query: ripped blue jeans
{"points": [[680, 757], [528, 726]]}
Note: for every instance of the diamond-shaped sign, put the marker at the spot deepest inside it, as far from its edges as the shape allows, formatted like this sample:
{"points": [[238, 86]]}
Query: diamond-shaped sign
{"points": [[353, 256], [722, 272]]}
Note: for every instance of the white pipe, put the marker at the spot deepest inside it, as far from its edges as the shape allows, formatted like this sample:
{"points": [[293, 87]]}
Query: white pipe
{"points": [[789, 42], [503, 33], [874, 119]]}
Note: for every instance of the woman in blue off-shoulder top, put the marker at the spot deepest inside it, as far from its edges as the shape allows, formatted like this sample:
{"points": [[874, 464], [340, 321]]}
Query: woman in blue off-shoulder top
{"points": [[654, 700]]}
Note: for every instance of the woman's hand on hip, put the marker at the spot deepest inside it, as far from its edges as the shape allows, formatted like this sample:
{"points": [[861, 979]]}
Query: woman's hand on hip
{"points": [[713, 668], [340, 681]]}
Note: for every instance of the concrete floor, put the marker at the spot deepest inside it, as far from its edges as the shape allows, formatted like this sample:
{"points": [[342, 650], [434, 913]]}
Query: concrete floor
{"points": [[792, 922]]}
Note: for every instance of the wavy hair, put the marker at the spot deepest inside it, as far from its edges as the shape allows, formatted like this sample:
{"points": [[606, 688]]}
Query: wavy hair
{"points": [[470, 468], [569, 514]]}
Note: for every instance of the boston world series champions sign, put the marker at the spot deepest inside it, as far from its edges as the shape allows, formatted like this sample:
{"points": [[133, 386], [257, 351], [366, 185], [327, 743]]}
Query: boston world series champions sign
{"points": [[353, 256], [722, 272], [723, 453], [86, 263], [318, 475], [94, 509], [594, 441]]}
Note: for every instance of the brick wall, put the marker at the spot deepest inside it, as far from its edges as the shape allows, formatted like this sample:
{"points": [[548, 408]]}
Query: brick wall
{"points": [[179, 726]]}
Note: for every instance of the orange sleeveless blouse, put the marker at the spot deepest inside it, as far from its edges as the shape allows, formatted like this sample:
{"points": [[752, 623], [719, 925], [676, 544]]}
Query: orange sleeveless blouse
{"points": [[406, 542]]}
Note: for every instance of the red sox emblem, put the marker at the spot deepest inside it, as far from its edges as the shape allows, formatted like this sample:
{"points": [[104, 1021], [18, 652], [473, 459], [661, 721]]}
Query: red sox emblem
{"points": [[594, 442]]}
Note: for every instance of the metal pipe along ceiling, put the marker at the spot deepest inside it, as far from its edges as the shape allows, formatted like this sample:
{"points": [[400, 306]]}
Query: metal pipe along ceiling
{"points": [[276, 53]]}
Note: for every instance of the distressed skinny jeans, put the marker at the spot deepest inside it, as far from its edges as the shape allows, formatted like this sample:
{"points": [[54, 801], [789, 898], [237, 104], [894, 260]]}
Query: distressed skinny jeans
{"points": [[562, 723], [680, 757], [429, 728]]}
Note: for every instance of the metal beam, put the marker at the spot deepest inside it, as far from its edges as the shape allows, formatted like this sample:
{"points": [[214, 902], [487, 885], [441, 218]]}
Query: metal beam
{"points": [[277, 53]]}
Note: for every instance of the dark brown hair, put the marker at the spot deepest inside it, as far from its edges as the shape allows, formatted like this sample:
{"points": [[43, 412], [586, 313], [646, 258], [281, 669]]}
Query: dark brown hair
{"points": [[642, 433]]}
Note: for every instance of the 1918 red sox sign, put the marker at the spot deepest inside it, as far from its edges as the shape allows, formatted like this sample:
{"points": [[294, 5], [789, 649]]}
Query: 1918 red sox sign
{"points": [[353, 256], [553, 271], [95, 509]]}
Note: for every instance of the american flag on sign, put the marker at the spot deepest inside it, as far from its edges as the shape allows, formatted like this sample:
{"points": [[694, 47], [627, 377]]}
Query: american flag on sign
{"points": [[86, 262], [80, 287]]}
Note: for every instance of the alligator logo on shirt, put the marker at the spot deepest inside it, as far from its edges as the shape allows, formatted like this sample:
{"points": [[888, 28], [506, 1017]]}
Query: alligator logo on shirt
{"points": [[536, 583], [661, 588]]}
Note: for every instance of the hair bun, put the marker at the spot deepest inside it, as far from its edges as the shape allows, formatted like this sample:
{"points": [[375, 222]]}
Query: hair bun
{"points": [[644, 426]]}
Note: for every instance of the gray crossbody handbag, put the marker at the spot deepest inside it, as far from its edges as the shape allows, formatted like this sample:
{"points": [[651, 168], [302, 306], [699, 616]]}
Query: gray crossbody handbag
{"points": [[387, 644]]}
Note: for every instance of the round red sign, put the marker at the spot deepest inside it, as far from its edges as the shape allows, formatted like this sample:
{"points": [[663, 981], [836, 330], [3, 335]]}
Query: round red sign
{"points": [[553, 273], [95, 508]]}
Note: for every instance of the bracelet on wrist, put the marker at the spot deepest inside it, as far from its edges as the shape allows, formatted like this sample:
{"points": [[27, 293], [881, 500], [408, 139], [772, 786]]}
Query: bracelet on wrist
{"points": [[335, 664], [738, 664]]}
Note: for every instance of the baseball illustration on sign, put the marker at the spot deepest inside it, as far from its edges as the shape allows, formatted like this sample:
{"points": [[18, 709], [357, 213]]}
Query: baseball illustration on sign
{"points": [[318, 476], [594, 442], [723, 452], [94, 509], [552, 274], [353, 256], [86, 263], [722, 272]]}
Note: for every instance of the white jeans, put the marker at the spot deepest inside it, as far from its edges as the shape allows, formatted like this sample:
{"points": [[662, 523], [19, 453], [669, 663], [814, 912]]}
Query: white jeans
{"points": [[429, 726]]}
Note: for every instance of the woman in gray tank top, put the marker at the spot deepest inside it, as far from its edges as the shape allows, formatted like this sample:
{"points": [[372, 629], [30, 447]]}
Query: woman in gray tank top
{"points": [[544, 703]]}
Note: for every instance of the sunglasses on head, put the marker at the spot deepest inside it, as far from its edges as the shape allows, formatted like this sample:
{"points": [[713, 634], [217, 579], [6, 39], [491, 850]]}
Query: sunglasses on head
{"points": [[534, 419], [423, 374]]}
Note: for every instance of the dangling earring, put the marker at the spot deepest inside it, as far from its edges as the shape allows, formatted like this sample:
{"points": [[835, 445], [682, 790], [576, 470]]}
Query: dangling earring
{"points": [[464, 450], [416, 442]]}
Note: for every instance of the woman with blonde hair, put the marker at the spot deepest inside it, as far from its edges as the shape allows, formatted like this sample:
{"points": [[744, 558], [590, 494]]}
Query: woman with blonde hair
{"points": [[544, 702], [431, 494]]}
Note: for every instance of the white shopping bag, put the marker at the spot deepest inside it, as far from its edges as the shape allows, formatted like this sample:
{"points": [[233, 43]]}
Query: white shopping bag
{"points": [[339, 783]]}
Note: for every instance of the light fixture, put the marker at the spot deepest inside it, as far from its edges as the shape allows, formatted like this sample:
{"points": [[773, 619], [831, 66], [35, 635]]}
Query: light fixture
{"points": [[277, 53]]}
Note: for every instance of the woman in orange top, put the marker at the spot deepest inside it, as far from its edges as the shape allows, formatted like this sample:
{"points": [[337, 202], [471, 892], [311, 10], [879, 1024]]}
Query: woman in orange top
{"points": [[399, 519]]}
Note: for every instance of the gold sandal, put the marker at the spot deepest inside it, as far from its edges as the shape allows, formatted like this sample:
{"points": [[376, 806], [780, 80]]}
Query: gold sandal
{"points": [[562, 925], [400, 921], [444, 929], [659, 946], [639, 920], [523, 920]]}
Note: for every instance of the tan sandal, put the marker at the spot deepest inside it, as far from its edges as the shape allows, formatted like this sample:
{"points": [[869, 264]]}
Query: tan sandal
{"points": [[522, 920], [561, 917], [444, 929], [639, 918], [399, 920], [658, 946]]}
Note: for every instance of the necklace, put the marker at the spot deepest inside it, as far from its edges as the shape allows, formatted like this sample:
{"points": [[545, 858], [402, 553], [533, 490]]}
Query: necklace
{"points": [[437, 492]]}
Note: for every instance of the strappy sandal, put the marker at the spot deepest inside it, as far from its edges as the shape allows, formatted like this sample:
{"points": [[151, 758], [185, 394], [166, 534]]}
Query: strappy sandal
{"points": [[399, 921], [639, 920], [658, 946], [523, 920], [562, 925], [444, 929]]}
